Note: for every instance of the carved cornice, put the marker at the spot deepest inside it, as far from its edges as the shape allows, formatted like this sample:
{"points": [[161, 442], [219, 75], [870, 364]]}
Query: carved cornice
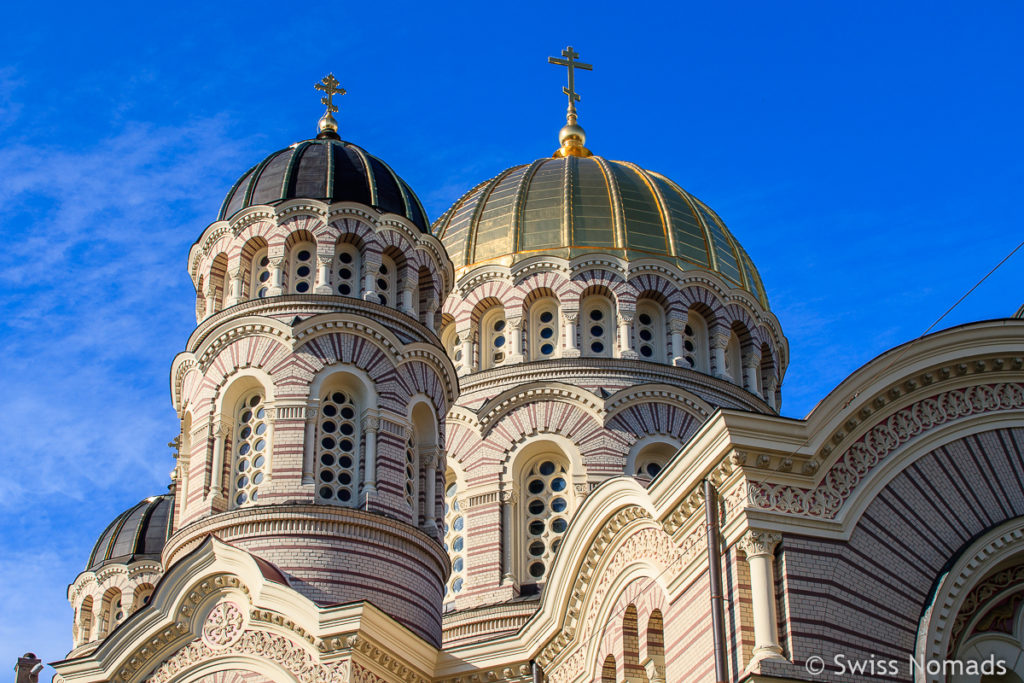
{"points": [[826, 499]]}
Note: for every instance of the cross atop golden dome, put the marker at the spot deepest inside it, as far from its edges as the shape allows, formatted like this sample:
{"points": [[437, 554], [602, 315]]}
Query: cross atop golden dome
{"points": [[571, 137], [327, 127]]}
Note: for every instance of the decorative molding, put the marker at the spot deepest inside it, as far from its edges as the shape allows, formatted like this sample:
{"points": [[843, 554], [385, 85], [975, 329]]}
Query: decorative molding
{"points": [[259, 644], [757, 542], [828, 497], [979, 597], [224, 625]]}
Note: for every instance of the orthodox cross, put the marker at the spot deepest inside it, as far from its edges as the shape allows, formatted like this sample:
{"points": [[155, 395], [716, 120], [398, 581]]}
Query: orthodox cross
{"points": [[329, 86], [571, 63]]}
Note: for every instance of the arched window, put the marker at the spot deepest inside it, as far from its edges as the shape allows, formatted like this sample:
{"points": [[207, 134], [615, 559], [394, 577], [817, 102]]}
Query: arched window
{"points": [[219, 282], [113, 612], [143, 594], [733, 360], [547, 499], [454, 537], [631, 668], [302, 269], [608, 670], [452, 346], [656, 644], [250, 450], [337, 448], [597, 326], [387, 282], [695, 342], [651, 460], [412, 479], [492, 338], [85, 620], [649, 327], [259, 272], [346, 269], [544, 329]]}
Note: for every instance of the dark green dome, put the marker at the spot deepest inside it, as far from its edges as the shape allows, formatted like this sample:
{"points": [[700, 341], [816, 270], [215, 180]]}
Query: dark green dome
{"points": [[328, 170], [138, 533]]}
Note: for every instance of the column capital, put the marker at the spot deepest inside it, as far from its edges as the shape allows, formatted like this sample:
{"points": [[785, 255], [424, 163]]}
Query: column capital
{"points": [[571, 317], [759, 542], [509, 497], [719, 340], [677, 325]]}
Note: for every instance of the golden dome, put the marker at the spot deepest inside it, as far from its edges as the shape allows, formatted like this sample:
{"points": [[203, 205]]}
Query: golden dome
{"points": [[571, 206]]}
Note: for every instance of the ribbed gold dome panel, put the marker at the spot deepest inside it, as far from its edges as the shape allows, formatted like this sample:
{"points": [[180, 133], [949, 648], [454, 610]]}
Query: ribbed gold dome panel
{"points": [[573, 206]]}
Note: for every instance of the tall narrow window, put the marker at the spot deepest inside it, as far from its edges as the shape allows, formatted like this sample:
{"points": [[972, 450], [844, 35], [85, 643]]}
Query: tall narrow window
{"points": [[387, 282], [142, 596], [649, 326], [547, 500], [597, 326], [631, 646], [412, 478], [608, 670], [346, 270], [259, 287], [338, 437], [656, 642], [695, 342], [544, 329], [250, 446], [113, 612], [453, 346], [85, 621], [492, 338], [454, 540], [302, 269]]}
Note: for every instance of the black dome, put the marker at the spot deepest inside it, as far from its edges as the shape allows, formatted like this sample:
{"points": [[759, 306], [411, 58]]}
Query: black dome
{"points": [[329, 170], [138, 533]]}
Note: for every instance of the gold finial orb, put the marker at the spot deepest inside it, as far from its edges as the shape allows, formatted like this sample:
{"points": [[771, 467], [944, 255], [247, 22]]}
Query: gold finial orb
{"points": [[327, 125]]}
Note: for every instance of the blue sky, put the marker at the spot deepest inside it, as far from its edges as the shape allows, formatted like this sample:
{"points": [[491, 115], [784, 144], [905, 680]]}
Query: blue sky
{"points": [[867, 155]]}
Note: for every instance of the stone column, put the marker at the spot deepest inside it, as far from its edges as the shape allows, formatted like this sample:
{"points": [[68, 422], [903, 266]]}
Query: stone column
{"points": [[718, 342], [626, 336], [508, 502], [323, 275], [222, 429], [309, 447], [677, 327], [773, 385], [751, 365], [759, 547], [569, 349], [276, 276], [514, 335], [236, 287], [372, 424], [465, 334], [430, 315], [407, 306], [211, 299], [370, 271]]}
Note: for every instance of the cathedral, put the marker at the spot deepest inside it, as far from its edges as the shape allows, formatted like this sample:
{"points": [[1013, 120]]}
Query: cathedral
{"points": [[538, 440]]}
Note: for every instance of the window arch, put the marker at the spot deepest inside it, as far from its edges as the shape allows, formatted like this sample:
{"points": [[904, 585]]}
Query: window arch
{"points": [[655, 637], [454, 537], [143, 594], [544, 324], [85, 620], [259, 274], [649, 327], [338, 444], [631, 668], [387, 282], [597, 326], [302, 267], [608, 670], [347, 269], [492, 338], [547, 501], [452, 346], [651, 459], [220, 283], [249, 464], [113, 612], [695, 342]]}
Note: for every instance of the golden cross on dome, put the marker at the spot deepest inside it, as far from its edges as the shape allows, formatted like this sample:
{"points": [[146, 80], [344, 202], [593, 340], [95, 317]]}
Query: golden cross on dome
{"points": [[571, 63], [329, 86]]}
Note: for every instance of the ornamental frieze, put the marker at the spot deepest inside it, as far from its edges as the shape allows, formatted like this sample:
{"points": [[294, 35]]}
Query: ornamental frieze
{"points": [[827, 498]]}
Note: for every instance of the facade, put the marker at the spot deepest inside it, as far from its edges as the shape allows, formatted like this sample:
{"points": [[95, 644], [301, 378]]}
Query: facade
{"points": [[486, 450]]}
